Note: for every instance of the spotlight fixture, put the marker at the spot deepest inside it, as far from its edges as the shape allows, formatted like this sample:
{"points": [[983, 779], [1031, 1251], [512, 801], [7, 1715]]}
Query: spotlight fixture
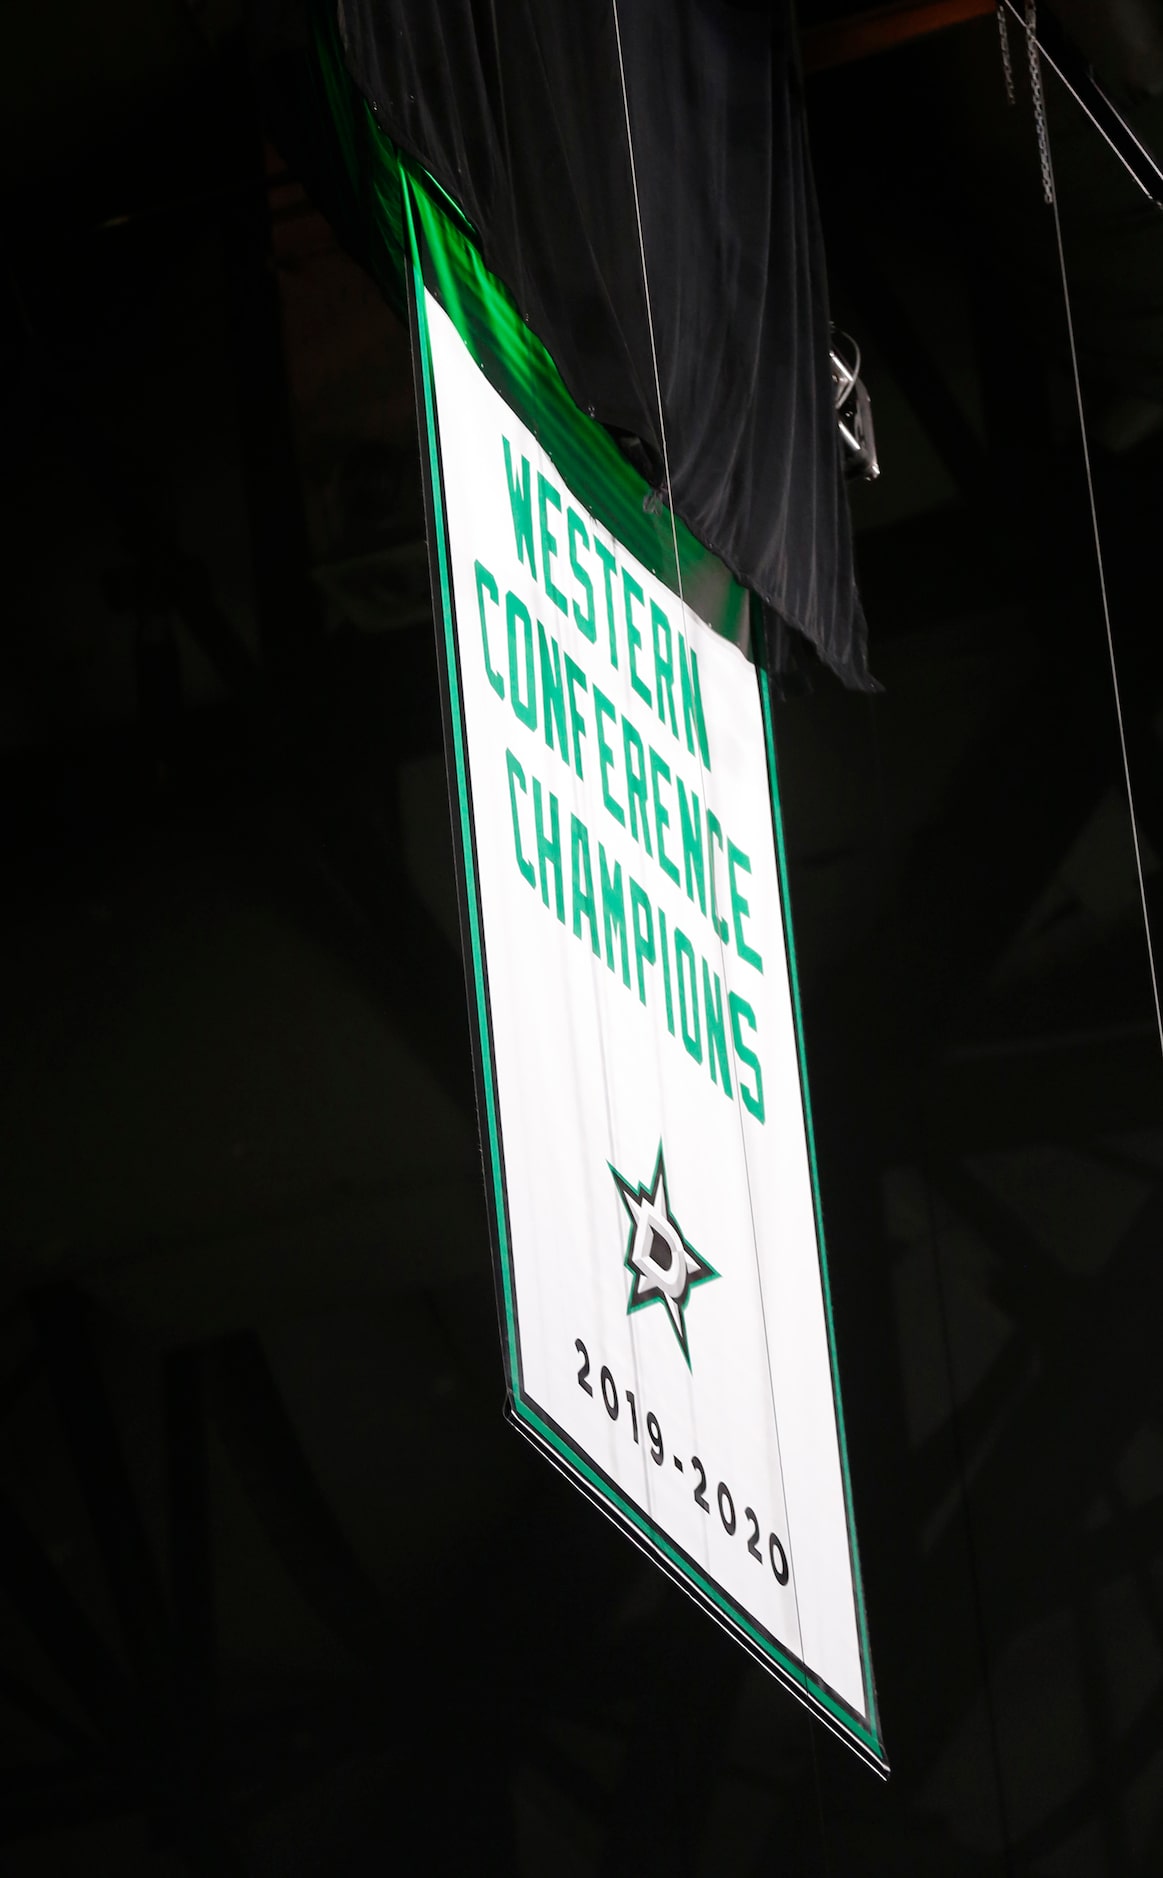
{"points": [[853, 410]]}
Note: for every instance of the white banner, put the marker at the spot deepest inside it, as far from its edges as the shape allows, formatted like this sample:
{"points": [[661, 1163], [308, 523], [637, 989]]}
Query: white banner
{"points": [[662, 1273]]}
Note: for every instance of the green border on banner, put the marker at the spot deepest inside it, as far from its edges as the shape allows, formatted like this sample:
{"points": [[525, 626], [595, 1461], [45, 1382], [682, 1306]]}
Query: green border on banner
{"points": [[522, 372]]}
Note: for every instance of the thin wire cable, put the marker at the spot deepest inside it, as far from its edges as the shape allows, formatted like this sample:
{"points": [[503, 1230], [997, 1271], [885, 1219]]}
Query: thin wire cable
{"points": [[702, 779], [1098, 555], [1148, 156], [649, 312]]}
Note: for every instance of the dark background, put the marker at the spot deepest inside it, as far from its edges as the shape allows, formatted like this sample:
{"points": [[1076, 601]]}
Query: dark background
{"points": [[280, 1592]]}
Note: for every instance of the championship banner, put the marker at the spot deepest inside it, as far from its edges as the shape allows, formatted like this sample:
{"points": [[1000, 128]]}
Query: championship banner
{"points": [[646, 1125]]}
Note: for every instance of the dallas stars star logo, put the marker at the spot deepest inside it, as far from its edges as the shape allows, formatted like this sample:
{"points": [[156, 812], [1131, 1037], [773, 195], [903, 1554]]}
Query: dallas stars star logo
{"points": [[664, 1264]]}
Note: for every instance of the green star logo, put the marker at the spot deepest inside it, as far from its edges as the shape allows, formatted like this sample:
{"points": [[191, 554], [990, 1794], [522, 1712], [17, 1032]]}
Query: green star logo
{"points": [[664, 1266]]}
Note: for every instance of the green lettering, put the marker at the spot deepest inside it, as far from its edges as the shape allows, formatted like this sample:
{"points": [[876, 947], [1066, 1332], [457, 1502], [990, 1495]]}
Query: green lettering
{"points": [[661, 816], [548, 849], [690, 822], [752, 1099], [635, 782], [663, 662], [586, 623], [574, 677], [486, 581], [517, 775], [613, 912], [716, 1029], [739, 906], [582, 882], [552, 690], [692, 702], [546, 496], [633, 636], [608, 568], [526, 712], [603, 708], [521, 504], [643, 933]]}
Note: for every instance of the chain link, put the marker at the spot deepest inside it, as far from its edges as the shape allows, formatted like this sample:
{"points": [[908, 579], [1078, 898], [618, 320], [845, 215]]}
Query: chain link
{"points": [[1039, 98], [1007, 64]]}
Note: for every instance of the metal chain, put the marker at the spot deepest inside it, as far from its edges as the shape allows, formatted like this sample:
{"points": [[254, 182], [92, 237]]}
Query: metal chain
{"points": [[1007, 64], [1039, 98]]}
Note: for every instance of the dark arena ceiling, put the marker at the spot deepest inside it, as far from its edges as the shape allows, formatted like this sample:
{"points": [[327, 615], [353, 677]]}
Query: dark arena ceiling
{"points": [[280, 1592]]}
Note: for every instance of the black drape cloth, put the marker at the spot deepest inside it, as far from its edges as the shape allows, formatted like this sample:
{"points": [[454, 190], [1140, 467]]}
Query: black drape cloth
{"points": [[516, 108]]}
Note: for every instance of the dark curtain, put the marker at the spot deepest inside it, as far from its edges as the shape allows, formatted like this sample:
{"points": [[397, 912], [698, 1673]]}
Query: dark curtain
{"points": [[515, 107]]}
